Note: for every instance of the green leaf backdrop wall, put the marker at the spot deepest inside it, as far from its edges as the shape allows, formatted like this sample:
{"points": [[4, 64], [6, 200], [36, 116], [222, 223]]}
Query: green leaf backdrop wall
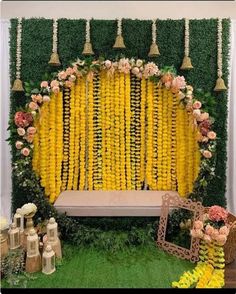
{"points": [[37, 46]]}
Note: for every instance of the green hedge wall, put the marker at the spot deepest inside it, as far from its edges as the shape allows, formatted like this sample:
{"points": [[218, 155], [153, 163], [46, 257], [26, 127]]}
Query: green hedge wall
{"points": [[36, 51]]}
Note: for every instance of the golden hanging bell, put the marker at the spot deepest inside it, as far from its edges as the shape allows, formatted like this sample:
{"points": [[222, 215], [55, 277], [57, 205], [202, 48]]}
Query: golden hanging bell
{"points": [[54, 60], [187, 64], [17, 86], [220, 85], [154, 51], [88, 50], [119, 43]]}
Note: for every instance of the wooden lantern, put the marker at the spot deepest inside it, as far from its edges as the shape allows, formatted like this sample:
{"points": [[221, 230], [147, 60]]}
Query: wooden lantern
{"points": [[52, 237], [48, 261], [33, 259], [14, 237]]}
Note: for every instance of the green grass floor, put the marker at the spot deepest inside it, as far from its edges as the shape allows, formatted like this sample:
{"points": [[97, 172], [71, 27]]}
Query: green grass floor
{"points": [[138, 267]]}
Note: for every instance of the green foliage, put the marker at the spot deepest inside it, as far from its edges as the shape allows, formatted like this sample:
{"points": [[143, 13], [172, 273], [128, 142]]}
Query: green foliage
{"points": [[36, 51]]}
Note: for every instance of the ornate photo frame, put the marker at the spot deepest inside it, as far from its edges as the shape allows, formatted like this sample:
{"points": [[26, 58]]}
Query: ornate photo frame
{"points": [[168, 202]]}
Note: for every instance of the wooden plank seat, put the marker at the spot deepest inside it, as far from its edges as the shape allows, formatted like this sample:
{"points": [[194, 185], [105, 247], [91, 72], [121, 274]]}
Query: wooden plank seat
{"points": [[111, 203]]}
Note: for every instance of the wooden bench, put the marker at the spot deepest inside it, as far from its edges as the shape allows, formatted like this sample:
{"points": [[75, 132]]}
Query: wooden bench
{"points": [[111, 203]]}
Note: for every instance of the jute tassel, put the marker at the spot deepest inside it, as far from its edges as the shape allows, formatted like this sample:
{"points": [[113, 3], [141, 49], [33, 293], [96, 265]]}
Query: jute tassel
{"points": [[17, 86], [187, 64], [220, 85], [88, 50], [54, 60]]}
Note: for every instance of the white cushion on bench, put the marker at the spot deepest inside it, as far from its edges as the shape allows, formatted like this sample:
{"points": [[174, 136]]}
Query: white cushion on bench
{"points": [[111, 203]]}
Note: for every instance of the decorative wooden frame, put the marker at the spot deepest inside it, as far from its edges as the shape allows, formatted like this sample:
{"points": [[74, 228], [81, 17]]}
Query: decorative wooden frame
{"points": [[169, 201]]}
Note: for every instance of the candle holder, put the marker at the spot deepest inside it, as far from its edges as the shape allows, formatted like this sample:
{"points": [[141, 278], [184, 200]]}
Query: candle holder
{"points": [[29, 226]]}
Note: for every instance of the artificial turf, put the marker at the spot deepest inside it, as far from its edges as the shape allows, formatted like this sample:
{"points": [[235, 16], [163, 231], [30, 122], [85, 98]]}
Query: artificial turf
{"points": [[137, 267]]}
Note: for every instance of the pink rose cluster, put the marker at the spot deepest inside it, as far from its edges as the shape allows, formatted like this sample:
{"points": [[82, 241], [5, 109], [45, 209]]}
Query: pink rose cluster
{"points": [[151, 69], [209, 230], [23, 119], [28, 135]]}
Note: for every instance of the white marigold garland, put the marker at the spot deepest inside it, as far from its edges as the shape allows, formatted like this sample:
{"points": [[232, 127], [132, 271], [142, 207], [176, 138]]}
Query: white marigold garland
{"points": [[18, 49]]}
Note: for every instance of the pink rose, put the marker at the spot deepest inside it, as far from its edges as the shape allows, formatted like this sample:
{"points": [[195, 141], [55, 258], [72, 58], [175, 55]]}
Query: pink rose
{"points": [[209, 230], [215, 234], [90, 76], [217, 213], [204, 116], [54, 83], [69, 71], [25, 151], [55, 89], [196, 113], [221, 239], [179, 82], [33, 105], [34, 98], [39, 98], [23, 119], [44, 84], [204, 139], [29, 138], [61, 75], [207, 238], [19, 144], [224, 230], [207, 154], [150, 69], [21, 131], [68, 84], [211, 135], [135, 70], [107, 63], [197, 105], [46, 98], [31, 130], [198, 225], [72, 78]]}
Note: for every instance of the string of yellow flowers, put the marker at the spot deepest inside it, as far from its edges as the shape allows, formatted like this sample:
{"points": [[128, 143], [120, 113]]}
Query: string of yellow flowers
{"points": [[142, 131], [108, 131], [132, 132], [173, 143], [52, 148], [190, 156], [164, 137], [159, 139], [77, 89], [59, 140], [90, 135], [113, 128], [169, 140], [127, 131], [82, 166], [122, 131], [36, 153], [187, 161], [116, 131], [138, 132], [155, 136], [149, 145], [66, 132], [44, 154], [97, 81], [104, 135], [72, 139]]}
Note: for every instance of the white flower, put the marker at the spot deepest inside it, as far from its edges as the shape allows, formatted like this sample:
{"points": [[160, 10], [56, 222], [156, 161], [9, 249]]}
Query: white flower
{"points": [[28, 208], [139, 62], [3, 223], [196, 112]]}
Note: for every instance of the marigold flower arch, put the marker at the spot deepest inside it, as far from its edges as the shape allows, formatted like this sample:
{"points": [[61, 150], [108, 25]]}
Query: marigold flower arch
{"points": [[115, 125]]}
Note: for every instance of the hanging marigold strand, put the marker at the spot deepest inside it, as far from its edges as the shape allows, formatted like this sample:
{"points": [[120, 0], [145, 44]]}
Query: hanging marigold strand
{"points": [[82, 134], [90, 135], [165, 138], [155, 136], [52, 149], [149, 166], [159, 140], [104, 135], [127, 131], [173, 143], [169, 140], [66, 132], [113, 129], [59, 140], [132, 133], [122, 131], [143, 122]]}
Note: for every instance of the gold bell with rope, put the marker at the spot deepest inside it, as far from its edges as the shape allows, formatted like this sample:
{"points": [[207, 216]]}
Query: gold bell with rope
{"points": [[17, 86], [220, 85], [154, 51], [54, 60], [186, 64], [88, 50], [119, 43]]}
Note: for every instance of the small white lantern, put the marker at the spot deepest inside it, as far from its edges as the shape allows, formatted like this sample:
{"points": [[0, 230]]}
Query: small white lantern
{"points": [[14, 237], [48, 260], [52, 237], [32, 244], [17, 218]]}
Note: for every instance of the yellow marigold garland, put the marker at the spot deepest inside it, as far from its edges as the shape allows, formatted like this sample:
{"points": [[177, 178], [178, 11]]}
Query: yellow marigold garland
{"points": [[173, 143], [155, 136], [169, 139], [122, 131], [66, 132], [164, 137], [159, 139], [127, 131], [90, 135], [104, 135], [132, 133], [82, 141], [143, 129]]}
